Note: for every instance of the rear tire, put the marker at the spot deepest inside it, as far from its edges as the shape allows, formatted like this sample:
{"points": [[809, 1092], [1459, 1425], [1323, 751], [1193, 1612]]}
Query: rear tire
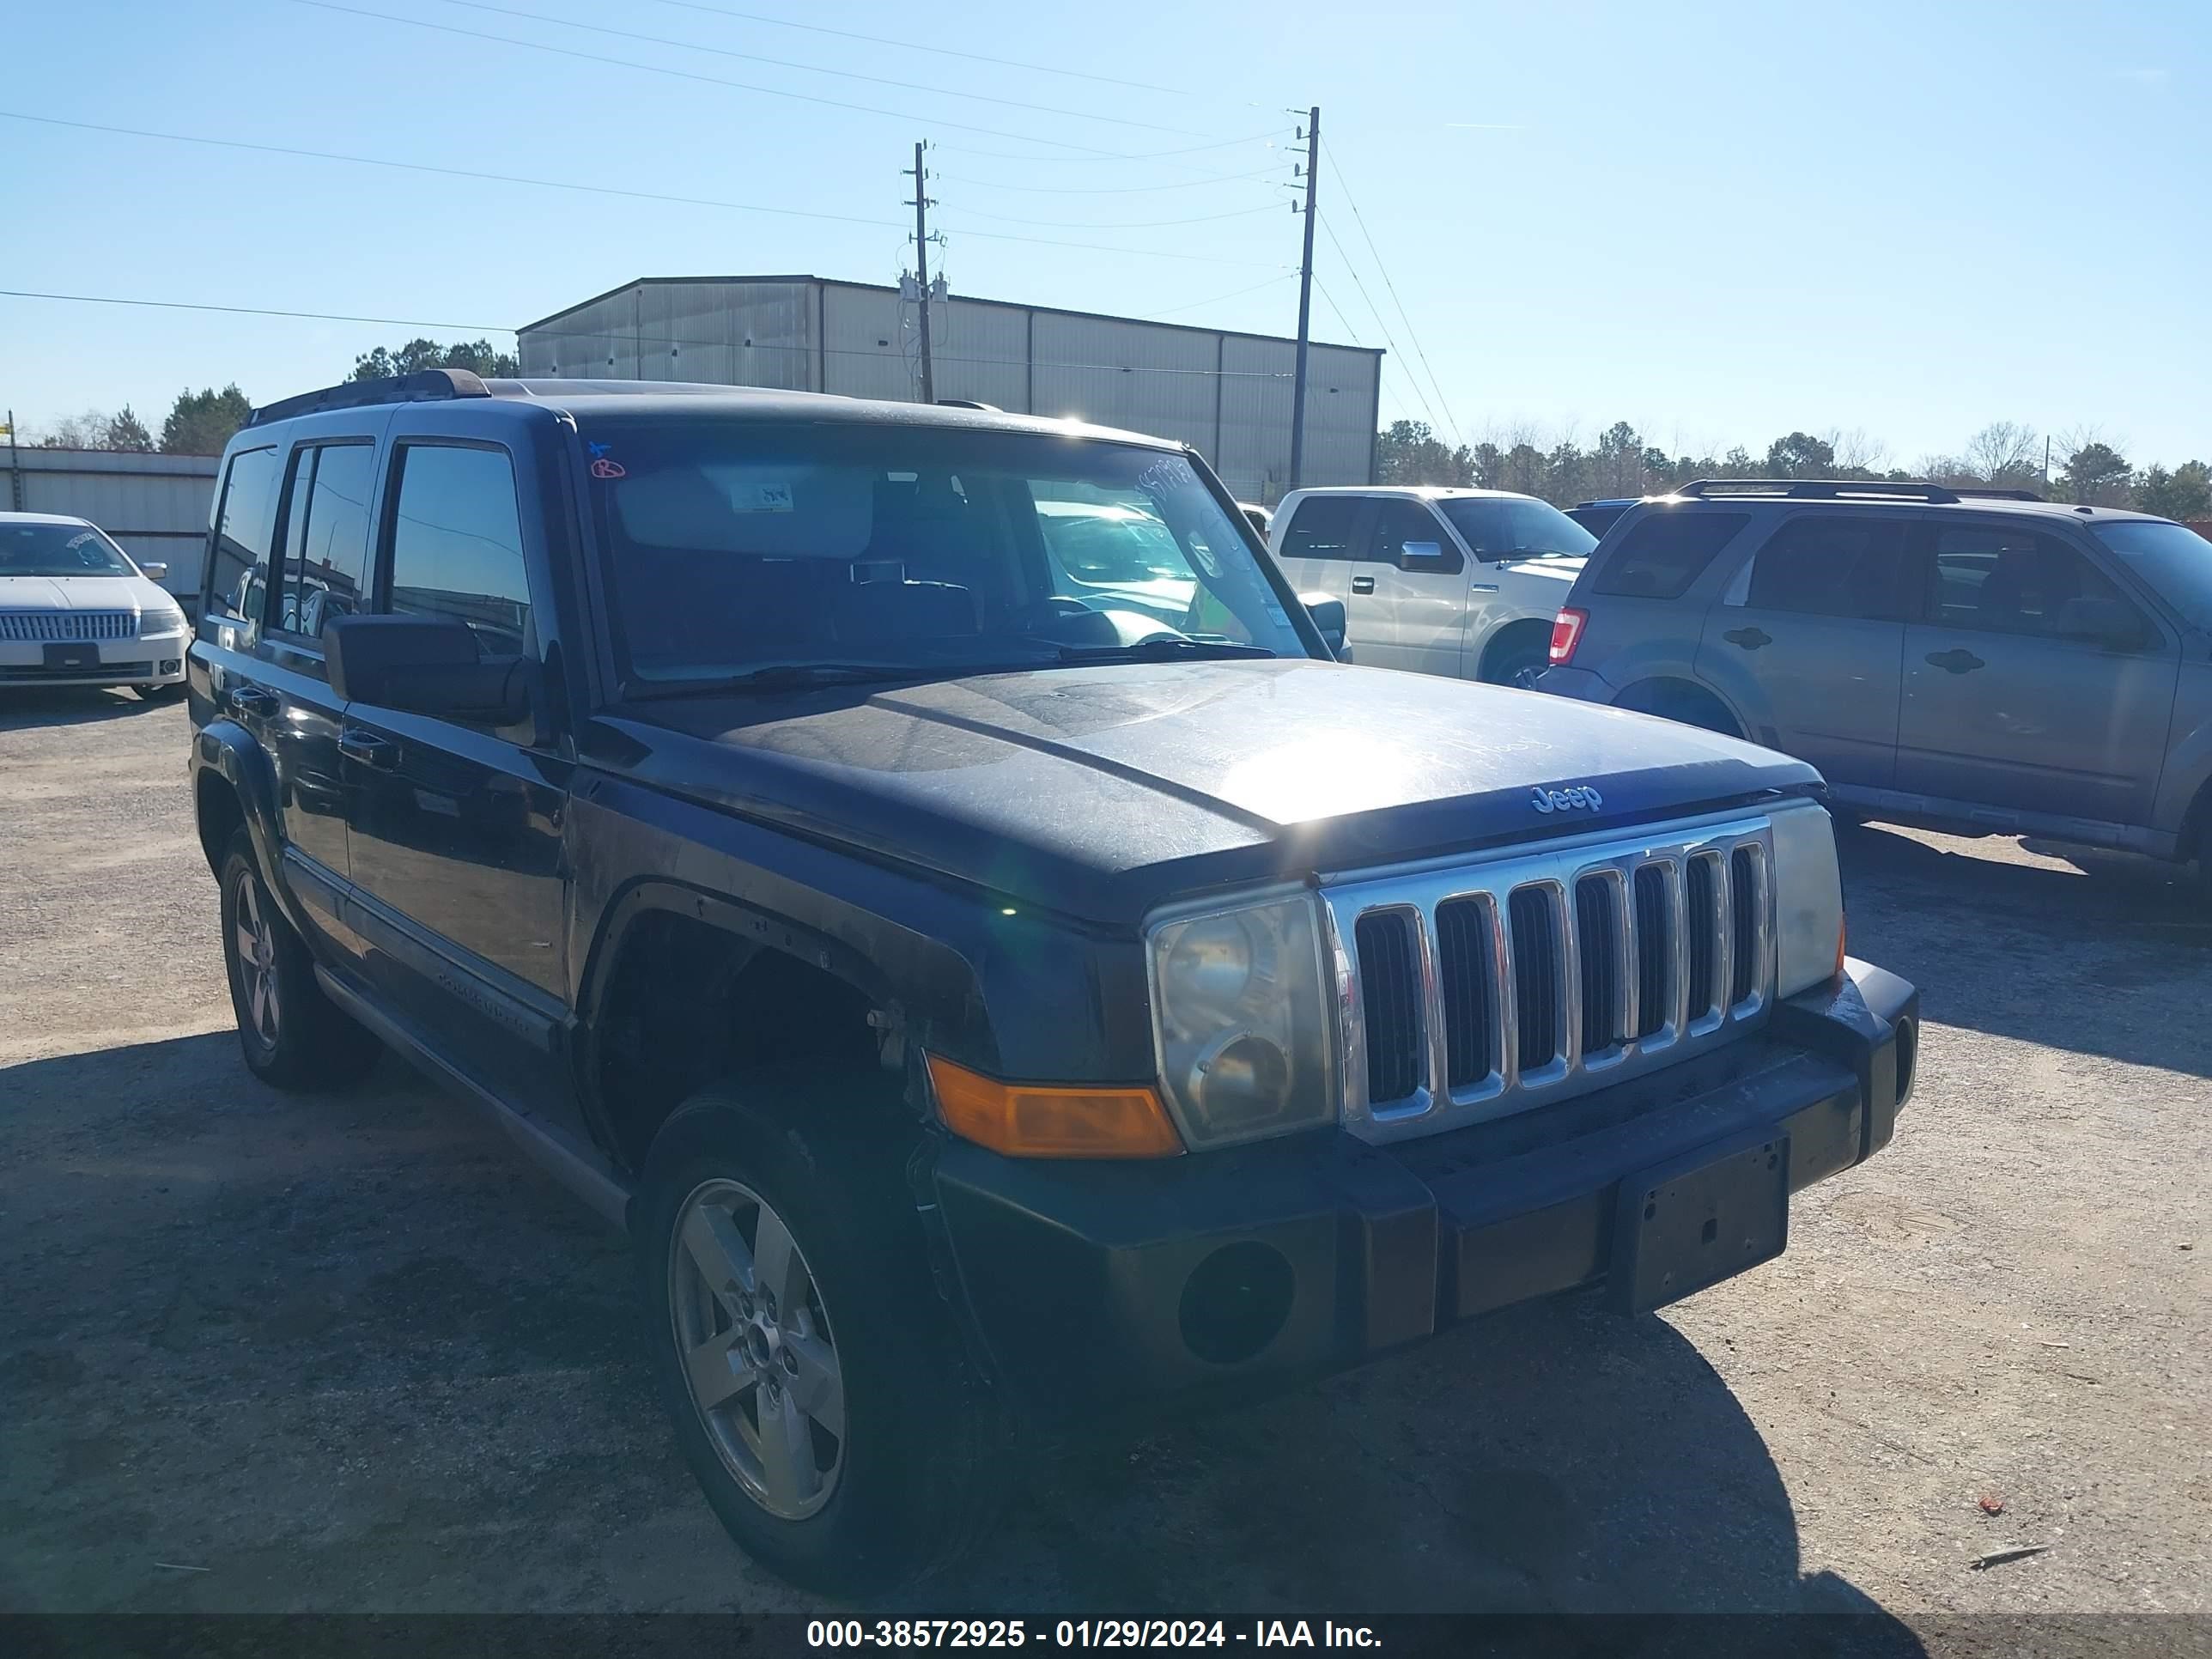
{"points": [[812, 1372], [293, 1035]]}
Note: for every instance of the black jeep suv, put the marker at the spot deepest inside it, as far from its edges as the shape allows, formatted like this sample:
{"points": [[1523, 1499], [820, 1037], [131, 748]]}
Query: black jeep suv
{"points": [[994, 1002]]}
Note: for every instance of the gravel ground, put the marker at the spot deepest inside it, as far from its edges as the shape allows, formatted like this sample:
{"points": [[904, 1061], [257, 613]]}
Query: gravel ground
{"points": [[349, 1354]]}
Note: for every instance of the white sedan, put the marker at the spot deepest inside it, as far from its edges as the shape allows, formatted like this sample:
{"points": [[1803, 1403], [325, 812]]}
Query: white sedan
{"points": [[75, 610]]}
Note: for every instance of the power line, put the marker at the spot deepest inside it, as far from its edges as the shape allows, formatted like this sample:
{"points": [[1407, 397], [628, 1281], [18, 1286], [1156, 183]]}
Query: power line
{"points": [[1384, 269], [1412, 380], [815, 69], [1137, 224], [709, 80], [1105, 155], [609, 190], [1233, 294], [1111, 190], [916, 45], [633, 341]]}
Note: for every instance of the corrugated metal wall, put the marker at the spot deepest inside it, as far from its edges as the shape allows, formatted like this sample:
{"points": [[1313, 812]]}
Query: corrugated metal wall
{"points": [[1229, 395], [156, 506]]}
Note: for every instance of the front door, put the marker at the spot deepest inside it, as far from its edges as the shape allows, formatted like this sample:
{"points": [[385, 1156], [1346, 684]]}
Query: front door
{"points": [[1317, 544], [1815, 623], [1409, 594], [2032, 683], [455, 831]]}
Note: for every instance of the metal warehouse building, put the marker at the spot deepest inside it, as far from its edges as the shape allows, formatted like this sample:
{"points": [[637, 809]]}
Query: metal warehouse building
{"points": [[1228, 395]]}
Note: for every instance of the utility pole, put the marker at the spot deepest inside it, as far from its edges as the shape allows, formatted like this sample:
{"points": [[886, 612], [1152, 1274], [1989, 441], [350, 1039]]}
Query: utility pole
{"points": [[921, 204], [1306, 302]]}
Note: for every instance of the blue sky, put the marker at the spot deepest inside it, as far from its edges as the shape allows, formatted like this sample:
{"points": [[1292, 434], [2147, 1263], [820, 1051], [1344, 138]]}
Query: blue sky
{"points": [[1718, 222]]}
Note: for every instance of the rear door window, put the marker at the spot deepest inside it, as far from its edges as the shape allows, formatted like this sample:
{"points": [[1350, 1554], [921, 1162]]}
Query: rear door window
{"points": [[1832, 564], [1663, 554], [238, 569], [326, 537], [1324, 527]]}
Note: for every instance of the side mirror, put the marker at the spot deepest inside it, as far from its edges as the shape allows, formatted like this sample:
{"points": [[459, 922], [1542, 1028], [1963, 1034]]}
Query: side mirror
{"points": [[424, 666], [1427, 557], [2102, 622], [153, 570], [1327, 614]]}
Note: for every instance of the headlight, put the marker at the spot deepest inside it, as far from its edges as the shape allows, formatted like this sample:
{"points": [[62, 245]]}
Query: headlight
{"points": [[1809, 899], [1240, 1021], [161, 624]]}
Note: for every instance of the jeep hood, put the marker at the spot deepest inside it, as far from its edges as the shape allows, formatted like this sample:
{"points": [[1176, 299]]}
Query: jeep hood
{"points": [[1102, 791]]}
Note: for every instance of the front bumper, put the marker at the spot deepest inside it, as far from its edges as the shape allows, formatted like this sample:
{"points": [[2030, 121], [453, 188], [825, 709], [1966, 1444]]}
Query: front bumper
{"points": [[1095, 1287], [159, 660]]}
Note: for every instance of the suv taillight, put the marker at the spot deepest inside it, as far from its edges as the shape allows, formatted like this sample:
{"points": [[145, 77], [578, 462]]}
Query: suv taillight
{"points": [[1566, 634]]}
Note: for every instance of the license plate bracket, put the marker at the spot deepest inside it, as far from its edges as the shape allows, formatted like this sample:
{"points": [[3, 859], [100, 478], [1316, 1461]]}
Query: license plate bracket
{"points": [[1684, 1225], [72, 656]]}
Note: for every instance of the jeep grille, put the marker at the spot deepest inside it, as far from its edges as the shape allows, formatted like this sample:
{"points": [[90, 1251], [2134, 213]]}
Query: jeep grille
{"points": [[1480, 989]]}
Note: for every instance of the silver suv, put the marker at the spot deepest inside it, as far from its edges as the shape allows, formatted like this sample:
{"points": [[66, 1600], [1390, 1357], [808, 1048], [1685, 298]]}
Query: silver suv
{"points": [[1978, 660], [1458, 582]]}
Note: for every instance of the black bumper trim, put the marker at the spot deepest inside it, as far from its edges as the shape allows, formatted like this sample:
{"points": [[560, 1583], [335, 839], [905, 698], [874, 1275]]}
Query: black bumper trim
{"points": [[1074, 1274]]}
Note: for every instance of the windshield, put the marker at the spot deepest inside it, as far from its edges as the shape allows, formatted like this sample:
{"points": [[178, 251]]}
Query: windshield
{"points": [[2173, 559], [1516, 527], [59, 550], [736, 548]]}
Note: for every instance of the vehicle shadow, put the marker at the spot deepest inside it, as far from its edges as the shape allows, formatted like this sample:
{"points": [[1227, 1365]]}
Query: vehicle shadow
{"points": [[1554, 1459], [2112, 956], [22, 709], [381, 1368]]}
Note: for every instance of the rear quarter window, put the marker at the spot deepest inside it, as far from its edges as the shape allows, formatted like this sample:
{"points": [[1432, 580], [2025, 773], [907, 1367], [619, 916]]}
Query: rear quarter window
{"points": [[1665, 552]]}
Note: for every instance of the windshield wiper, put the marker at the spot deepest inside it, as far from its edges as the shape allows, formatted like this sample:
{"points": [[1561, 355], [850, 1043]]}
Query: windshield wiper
{"points": [[784, 675], [1160, 650]]}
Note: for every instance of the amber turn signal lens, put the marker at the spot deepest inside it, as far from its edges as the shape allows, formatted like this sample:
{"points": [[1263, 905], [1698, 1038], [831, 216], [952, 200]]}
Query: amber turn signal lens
{"points": [[1843, 940], [1045, 1120]]}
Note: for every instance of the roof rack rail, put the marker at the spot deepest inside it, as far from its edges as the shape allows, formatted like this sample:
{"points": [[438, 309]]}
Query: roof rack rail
{"points": [[1982, 493], [968, 403], [423, 385], [1826, 489]]}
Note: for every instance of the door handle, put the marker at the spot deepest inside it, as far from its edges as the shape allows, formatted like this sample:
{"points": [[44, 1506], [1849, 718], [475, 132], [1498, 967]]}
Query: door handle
{"points": [[1485, 588], [1956, 661], [1363, 584], [368, 749], [1749, 638], [251, 699]]}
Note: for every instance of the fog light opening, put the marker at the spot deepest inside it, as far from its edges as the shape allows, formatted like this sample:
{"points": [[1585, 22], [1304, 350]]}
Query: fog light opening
{"points": [[1236, 1302], [1908, 1053]]}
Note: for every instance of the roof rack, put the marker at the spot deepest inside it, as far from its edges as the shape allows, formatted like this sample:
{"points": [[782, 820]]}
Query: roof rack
{"points": [[423, 385], [968, 403], [1982, 493], [1826, 489]]}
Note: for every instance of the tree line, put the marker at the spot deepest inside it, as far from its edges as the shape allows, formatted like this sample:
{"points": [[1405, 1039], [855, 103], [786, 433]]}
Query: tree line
{"points": [[202, 422], [2003, 455]]}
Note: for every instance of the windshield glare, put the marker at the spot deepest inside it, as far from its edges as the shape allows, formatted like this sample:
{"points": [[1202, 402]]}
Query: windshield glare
{"points": [[734, 546], [59, 550], [2173, 559]]}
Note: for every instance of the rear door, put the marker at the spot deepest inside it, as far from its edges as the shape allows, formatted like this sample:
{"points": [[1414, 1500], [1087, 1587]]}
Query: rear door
{"points": [[455, 829], [2009, 699], [1318, 543], [323, 543], [1816, 622], [1409, 594]]}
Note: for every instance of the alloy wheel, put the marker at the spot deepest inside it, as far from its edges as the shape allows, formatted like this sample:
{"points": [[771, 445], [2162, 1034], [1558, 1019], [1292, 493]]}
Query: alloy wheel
{"points": [[755, 1344], [255, 941]]}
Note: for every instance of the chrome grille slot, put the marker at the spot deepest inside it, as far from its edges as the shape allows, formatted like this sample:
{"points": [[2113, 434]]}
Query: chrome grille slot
{"points": [[1390, 998], [1476, 990], [1466, 952], [1745, 876], [68, 626], [1655, 950], [1538, 977]]}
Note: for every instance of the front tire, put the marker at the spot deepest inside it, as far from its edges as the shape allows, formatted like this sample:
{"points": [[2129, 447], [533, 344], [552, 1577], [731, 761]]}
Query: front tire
{"points": [[816, 1385], [169, 693], [1518, 666], [294, 1037]]}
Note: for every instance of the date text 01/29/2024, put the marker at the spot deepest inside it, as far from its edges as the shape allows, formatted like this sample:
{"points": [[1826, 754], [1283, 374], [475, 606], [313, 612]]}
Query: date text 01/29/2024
{"points": [[1084, 1633]]}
